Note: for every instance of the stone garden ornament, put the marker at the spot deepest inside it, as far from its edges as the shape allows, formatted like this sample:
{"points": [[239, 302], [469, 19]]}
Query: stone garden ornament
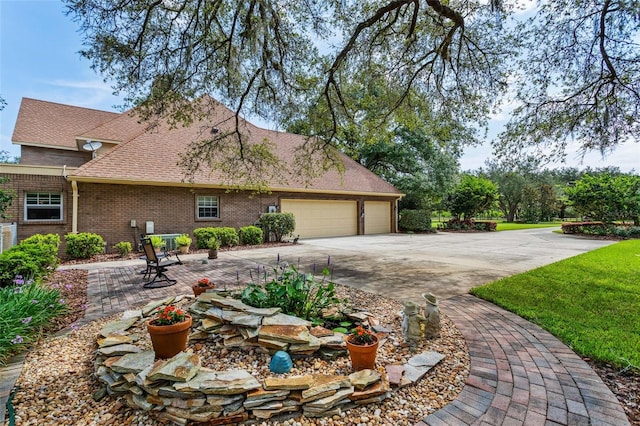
{"points": [[412, 323], [432, 316]]}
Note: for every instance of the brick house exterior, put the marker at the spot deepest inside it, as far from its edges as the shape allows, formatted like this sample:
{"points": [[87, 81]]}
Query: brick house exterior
{"points": [[118, 190]]}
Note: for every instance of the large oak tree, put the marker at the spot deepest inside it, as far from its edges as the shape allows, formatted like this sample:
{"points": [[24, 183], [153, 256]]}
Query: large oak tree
{"points": [[577, 72]]}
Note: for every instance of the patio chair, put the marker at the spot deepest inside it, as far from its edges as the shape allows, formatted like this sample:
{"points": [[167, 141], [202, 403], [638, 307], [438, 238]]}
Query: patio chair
{"points": [[157, 264], [164, 253]]}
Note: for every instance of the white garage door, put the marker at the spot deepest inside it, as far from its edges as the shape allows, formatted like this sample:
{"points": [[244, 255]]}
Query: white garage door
{"points": [[377, 217], [323, 218]]}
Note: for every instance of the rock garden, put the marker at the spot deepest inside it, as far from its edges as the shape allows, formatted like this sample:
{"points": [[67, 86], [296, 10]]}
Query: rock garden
{"points": [[107, 371]]}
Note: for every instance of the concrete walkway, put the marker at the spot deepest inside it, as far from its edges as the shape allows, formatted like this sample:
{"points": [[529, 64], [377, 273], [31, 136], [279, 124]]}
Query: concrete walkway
{"points": [[520, 374]]}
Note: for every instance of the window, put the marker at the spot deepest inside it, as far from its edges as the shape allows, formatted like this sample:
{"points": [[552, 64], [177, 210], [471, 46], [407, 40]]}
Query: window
{"points": [[208, 207], [43, 206]]}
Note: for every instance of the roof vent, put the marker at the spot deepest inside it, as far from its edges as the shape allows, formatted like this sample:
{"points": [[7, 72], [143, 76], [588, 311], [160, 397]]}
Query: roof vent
{"points": [[214, 130]]}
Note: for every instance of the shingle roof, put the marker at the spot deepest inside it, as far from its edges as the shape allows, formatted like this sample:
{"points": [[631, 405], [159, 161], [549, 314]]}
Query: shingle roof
{"points": [[43, 123], [151, 157]]}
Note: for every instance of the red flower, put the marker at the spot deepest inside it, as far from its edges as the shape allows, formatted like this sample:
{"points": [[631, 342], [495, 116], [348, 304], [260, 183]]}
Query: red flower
{"points": [[169, 315], [204, 282], [362, 336]]}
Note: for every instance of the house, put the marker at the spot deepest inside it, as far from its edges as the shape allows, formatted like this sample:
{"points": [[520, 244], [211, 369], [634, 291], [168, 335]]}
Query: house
{"points": [[83, 170]]}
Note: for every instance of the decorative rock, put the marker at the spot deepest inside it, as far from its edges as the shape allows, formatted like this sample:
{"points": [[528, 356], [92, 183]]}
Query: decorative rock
{"points": [[230, 382], [289, 383], [363, 378], [395, 372], [426, 359], [332, 400], [117, 327], [273, 343], [319, 331], [243, 319], [119, 350], [196, 383], [114, 339], [222, 400], [134, 363], [182, 367], [280, 363], [283, 319], [155, 304], [135, 313], [258, 397], [286, 333], [266, 414]]}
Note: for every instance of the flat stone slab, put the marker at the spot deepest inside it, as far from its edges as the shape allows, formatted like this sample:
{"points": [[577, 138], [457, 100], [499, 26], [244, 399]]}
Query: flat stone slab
{"points": [[230, 382], [134, 363], [181, 368], [284, 319], [117, 327], [289, 383], [361, 379], [426, 359], [286, 333], [119, 350]]}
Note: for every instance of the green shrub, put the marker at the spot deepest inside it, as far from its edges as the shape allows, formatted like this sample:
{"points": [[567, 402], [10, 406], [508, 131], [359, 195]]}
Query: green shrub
{"points": [[36, 257], [251, 235], [84, 245], [49, 239], [415, 220], [227, 236], [123, 248], [295, 293], [183, 240], [277, 224]]}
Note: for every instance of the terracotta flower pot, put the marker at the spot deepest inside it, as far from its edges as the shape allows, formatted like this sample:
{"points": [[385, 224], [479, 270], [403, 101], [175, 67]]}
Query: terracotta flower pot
{"points": [[363, 356], [198, 289], [168, 340]]}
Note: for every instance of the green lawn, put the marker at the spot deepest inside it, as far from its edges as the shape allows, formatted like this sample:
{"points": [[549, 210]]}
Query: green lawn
{"points": [[591, 302], [505, 226]]}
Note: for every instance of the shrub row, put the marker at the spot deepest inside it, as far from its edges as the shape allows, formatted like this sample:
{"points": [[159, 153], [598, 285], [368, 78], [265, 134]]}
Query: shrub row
{"points": [[470, 225], [227, 236], [601, 229]]}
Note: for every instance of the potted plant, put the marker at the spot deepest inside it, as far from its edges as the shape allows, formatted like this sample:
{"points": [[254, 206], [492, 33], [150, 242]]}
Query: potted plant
{"points": [[183, 242], [158, 243], [202, 285], [169, 331], [214, 245], [363, 348]]}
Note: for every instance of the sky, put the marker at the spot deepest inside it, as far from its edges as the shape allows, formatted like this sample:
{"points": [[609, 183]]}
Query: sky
{"points": [[39, 59]]}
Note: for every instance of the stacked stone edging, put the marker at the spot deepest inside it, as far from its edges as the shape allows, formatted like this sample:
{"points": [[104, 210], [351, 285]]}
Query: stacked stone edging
{"points": [[181, 390]]}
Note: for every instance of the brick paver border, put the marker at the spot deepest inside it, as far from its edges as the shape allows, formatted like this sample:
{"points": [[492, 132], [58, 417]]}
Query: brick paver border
{"points": [[521, 375]]}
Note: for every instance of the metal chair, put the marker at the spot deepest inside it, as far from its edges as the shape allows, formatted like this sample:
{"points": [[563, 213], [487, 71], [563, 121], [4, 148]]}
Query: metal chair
{"points": [[158, 264]]}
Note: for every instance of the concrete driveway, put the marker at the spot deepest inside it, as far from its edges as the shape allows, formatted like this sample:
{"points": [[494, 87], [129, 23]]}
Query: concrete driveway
{"points": [[403, 266]]}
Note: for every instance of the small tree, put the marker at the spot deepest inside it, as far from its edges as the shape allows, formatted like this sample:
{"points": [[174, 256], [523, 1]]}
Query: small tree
{"points": [[471, 196]]}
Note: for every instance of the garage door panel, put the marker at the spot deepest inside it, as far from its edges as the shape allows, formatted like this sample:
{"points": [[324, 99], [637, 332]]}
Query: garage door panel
{"points": [[377, 217], [323, 218]]}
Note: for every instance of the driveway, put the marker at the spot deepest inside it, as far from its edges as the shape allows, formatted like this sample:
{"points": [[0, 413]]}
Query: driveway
{"points": [[404, 266]]}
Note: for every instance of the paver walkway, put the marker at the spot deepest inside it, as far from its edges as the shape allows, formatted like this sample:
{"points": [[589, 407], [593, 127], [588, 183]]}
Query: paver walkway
{"points": [[520, 374]]}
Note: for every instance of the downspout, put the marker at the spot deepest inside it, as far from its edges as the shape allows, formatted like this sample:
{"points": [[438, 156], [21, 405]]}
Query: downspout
{"points": [[74, 208]]}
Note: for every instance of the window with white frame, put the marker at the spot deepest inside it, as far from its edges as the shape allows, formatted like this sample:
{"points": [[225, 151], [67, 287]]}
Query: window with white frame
{"points": [[43, 206], [208, 207]]}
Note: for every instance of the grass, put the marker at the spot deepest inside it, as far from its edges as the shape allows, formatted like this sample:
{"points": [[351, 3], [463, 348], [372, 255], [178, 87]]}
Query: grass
{"points": [[505, 226], [591, 302]]}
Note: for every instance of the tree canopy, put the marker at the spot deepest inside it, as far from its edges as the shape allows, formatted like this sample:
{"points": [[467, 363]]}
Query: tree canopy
{"points": [[574, 64]]}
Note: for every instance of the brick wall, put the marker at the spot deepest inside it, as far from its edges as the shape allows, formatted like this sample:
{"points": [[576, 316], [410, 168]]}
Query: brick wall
{"points": [[21, 184], [36, 156], [108, 209]]}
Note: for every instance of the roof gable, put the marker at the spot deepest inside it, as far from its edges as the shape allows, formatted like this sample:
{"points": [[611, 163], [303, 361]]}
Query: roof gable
{"points": [[49, 124]]}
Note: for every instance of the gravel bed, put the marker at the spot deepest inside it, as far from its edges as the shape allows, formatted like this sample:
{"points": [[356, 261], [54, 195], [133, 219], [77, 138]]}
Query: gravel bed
{"points": [[57, 381]]}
